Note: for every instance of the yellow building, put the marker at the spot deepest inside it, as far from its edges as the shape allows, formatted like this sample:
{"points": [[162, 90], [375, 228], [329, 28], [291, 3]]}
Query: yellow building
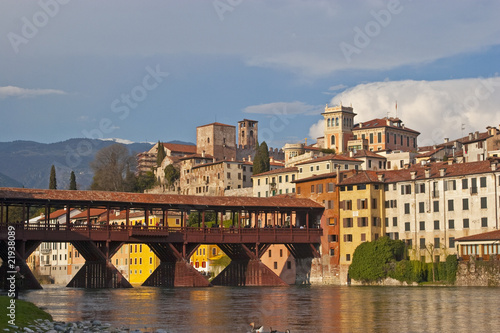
{"points": [[138, 259], [206, 258], [361, 214]]}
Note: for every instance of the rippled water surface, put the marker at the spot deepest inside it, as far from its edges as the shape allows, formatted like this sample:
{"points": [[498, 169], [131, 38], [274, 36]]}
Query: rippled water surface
{"points": [[301, 309]]}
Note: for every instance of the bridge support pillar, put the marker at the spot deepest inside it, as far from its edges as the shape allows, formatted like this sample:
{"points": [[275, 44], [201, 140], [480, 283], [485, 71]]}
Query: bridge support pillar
{"points": [[174, 270], [245, 268], [98, 272], [22, 251]]}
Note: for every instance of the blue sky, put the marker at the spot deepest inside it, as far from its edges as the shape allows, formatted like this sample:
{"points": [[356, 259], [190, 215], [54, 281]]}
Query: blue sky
{"points": [[67, 67]]}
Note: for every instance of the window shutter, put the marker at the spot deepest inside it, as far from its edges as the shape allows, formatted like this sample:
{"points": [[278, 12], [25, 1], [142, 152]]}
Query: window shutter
{"points": [[341, 204], [359, 221], [345, 224], [359, 203]]}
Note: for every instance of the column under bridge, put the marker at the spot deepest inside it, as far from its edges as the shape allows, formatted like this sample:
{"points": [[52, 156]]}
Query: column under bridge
{"points": [[254, 225]]}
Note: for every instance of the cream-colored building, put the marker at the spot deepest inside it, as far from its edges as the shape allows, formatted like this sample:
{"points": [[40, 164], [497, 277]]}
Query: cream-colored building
{"points": [[274, 182], [327, 164]]}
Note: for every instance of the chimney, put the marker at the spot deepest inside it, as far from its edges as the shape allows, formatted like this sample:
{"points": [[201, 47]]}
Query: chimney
{"points": [[446, 140], [360, 125], [470, 136], [388, 122], [380, 177], [351, 154], [450, 161], [413, 175], [338, 174], [203, 153], [249, 158], [427, 172], [476, 135], [493, 166], [442, 172]]}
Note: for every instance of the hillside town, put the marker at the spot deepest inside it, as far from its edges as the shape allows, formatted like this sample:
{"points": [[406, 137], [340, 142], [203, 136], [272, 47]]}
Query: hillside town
{"points": [[372, 178]]}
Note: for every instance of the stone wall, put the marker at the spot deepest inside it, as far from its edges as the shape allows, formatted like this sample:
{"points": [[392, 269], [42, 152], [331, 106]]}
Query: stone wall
{"points": [[478, 273]]}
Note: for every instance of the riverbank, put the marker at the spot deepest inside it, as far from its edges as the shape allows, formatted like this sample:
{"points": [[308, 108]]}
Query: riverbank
{"points": [[23, 314]]}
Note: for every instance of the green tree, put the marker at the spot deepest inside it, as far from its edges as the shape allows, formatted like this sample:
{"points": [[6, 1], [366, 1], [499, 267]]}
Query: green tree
{"points": [[53, 180], [72, 181], [172, 174], [146, 181], [371, 260], [195, 218], [160, 153], [113, 169], [261, 162]]}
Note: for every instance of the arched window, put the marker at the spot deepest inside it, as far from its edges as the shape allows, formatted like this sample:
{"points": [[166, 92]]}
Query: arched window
{"points": [[328, 122], [337, 121], [332, 140]]}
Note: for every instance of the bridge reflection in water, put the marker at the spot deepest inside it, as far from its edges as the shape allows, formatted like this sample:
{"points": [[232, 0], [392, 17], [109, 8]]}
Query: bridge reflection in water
{"points": [[289, 221]]}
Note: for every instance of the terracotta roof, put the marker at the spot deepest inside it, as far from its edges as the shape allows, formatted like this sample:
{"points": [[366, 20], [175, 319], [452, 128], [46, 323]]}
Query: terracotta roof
{"points": [[172, 201], [315, 177], [429, 153], [216, 124], [362, 177], [93, 213], [207, 157], [331, 157], [492, 235], [57, 213], [381, 122], [275, 171], [481, 136], [366, 153], [178, 148]]}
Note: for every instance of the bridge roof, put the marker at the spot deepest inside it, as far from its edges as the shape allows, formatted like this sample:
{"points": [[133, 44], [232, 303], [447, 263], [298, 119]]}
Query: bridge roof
{"points": [[123, 199]]}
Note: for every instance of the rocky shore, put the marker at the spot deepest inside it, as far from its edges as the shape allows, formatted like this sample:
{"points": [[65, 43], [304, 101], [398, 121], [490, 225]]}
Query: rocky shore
{"points": [[48, 326]]}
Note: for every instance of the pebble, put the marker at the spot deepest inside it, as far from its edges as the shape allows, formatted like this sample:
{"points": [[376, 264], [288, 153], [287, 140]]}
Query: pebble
{"points": [[47, 326]]}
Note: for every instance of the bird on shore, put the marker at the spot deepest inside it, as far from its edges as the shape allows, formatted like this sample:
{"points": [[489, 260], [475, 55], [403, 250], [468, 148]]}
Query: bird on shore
{"points": [[257, 329]]}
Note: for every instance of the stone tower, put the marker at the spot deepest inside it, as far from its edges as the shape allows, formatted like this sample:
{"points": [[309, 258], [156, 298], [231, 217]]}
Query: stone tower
{"points": [[247, 133], [339, 121]]}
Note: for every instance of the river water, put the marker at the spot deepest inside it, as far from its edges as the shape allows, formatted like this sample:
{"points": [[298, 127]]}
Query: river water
{"points": [[301, 309]]}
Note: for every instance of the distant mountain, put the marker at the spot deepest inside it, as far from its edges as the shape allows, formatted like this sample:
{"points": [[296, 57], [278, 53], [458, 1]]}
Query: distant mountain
{"points": [[182, 143], [6, 181], [28, 163]]}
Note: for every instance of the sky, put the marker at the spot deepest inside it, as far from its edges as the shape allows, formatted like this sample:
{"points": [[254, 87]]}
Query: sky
{"points": [[154, 70]]}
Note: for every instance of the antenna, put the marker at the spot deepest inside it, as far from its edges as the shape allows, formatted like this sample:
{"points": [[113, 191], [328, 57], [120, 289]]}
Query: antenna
{"points": [[396, 109]]}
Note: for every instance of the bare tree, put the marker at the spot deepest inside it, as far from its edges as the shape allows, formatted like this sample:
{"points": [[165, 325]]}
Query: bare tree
{"points": [[113, 169]]}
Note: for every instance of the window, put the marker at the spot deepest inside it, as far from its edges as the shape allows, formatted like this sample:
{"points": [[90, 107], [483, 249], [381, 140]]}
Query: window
{"points": [[333, 238], [484, 202], [362, 221], [465, 184], [331, 187], [319, 188], [348, 257], [421, 207], [466, 223], [451, 224], [281, 253], [361, 187], [407, 208], [386, 221], [436, 206], [484, 222], [422, 244], [436, 225], [450, 205], [436, 243], [374, 203], [394, 221], [451, 242], [473, 189], [298, 189], [348, 238], [288, 265], [362, 203], [482, 181], [347, 222], [270, 253], [407, 226], [279, 179], [312, 188], [275, 265], [363, 237], [465, 204], [332, 252], [379, 137]]}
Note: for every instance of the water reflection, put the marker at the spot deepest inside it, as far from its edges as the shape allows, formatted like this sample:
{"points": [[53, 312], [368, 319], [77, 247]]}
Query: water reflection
{"points": [[300, 309]]}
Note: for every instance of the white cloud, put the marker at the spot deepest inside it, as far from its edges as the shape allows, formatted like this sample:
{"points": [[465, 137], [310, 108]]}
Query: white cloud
{"points": [[437, 109], [337, 87], [283, 108], [11, 91]]}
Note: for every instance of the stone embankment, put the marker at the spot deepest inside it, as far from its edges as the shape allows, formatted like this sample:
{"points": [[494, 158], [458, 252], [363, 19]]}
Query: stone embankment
{"points": [[478, 273], [48, 326]]}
